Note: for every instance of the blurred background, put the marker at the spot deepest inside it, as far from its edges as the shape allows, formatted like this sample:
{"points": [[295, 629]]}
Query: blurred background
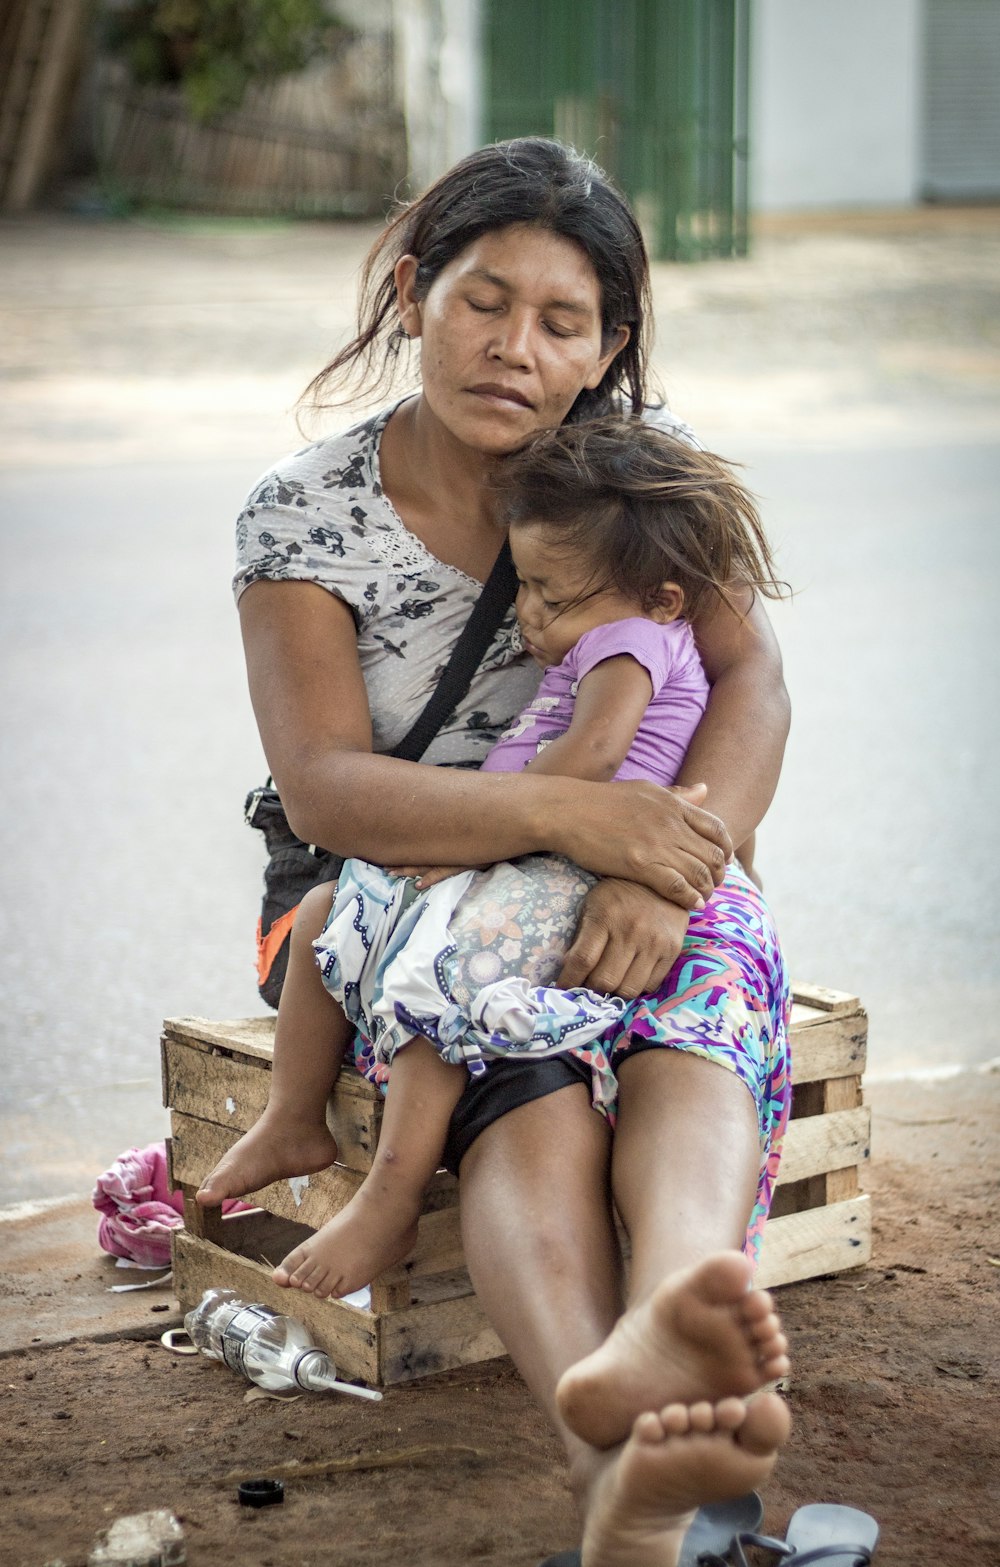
{"points": [[187, 191]]}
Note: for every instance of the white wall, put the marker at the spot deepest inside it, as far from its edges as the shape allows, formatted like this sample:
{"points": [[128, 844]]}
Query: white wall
{"points": [[439, 53], [835, 103]]}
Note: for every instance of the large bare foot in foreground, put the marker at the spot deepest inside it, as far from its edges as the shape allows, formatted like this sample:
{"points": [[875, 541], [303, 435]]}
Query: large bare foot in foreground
{"points": [[372, 1233], [278, 1146], [643, 1501], [702, 1333]]}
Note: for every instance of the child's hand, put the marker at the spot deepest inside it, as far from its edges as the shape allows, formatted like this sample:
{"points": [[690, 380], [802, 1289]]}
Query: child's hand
{"points": [[428, 875]]}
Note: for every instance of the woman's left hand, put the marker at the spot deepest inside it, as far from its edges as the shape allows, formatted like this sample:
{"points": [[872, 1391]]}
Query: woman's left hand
{"points": [[626, 942]]}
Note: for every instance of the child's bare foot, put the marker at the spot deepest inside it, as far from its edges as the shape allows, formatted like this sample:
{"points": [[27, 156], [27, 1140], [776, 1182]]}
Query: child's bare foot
{"points": [[371, 1234], [278, 1146], [642, 1501], [702, 1333]]}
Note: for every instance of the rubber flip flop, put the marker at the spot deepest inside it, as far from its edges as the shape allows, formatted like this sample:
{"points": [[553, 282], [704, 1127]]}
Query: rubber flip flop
{"points": [[835, 1536], [715, 1524], [712, 1530]]}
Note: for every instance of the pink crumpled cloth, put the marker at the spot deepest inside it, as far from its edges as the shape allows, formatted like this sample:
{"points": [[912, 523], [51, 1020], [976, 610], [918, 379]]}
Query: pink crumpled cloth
{"points": [[138, 1208]]}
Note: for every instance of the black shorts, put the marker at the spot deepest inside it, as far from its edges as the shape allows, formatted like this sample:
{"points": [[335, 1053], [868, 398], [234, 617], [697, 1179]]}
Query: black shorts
{"points": [[505, 1085]]}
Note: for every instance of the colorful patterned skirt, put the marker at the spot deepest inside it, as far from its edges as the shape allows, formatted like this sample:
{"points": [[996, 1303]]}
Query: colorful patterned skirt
{"points": [[470, 965]]}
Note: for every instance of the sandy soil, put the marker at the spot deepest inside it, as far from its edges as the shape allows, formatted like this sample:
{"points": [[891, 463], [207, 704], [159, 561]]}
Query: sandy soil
{"points": [[893, 1393]]}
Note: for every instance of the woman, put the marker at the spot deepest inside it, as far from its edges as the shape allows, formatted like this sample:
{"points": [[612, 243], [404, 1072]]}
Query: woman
{"points": [[523, 275]]}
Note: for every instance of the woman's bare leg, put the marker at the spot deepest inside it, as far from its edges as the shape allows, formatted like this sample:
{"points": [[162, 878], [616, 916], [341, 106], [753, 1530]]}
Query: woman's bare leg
{"points": [[541, 1249], [378, 1227], [684, 1175], [538, 1236], [310, 1037]]}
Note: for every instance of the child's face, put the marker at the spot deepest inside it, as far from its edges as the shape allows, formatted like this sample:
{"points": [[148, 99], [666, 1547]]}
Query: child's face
{"points": [[559, 598]]}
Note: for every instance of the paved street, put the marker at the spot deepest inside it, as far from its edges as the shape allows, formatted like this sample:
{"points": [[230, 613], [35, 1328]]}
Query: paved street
{"points": [[148, 372]]}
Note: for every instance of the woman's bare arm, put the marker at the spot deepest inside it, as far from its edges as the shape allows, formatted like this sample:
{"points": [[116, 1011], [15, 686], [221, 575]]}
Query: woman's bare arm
{"points": [[738, 746], [312, 711], [628, 939]]}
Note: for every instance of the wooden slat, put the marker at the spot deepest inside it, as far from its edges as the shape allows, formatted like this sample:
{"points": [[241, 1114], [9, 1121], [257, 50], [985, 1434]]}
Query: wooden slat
{"points": [[252, 1036], [825, 1142], [205, 1223], [837, 1048], [835, 1003], [232, 1090], [822, 1240], [348, 1335], [435, 1335], [827, 1041]]}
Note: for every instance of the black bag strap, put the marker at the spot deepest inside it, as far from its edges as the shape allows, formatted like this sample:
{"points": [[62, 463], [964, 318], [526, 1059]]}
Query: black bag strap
{"points": [[490, 608], [498, 593]]}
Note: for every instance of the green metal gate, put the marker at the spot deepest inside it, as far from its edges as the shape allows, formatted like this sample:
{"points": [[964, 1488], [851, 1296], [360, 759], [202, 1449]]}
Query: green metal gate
{"points": [[654, 90]]}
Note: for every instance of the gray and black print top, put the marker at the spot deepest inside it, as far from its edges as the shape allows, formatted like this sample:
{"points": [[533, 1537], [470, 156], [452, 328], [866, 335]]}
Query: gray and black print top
{"points": [[320, 515]]}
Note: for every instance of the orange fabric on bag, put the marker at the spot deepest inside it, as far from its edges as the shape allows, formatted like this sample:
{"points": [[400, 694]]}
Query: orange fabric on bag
{"points": [[269, 946]]}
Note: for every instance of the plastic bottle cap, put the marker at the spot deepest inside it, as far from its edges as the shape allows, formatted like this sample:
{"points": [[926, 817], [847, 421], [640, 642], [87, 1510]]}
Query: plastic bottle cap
{"points": [[261, 1493]]}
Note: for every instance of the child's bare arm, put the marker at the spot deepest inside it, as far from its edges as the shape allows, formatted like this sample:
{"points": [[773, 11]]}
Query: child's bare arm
{"points": [[609, 706]]}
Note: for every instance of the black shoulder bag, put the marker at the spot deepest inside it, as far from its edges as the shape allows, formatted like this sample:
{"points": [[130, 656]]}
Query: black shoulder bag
{"points": [[293, 866]]}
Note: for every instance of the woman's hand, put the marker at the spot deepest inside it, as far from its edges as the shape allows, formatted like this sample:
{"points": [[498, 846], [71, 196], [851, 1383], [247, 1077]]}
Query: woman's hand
{"points": [[626, 942], [660, 838]]}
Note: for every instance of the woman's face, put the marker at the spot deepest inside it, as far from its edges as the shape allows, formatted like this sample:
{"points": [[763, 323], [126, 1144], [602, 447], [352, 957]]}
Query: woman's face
{"points": [[510, 335]]}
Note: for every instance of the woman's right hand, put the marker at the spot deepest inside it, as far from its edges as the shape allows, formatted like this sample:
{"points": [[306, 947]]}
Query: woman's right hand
{"points": [[661, 838]]}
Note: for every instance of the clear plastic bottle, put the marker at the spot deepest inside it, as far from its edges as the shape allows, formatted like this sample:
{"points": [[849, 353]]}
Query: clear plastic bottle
{"points": [[274, 1351]]}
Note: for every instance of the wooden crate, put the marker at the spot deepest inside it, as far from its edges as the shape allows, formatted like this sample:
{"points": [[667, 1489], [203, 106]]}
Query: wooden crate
{"points": [[424, 1316]]}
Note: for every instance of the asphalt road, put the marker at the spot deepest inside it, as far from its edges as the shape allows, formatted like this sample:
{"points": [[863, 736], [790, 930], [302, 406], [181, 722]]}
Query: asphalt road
{"points": [[131, 881]]}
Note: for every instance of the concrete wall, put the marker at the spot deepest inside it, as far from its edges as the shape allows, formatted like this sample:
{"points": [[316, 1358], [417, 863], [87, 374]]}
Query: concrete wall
{"points": [[835, 103]]}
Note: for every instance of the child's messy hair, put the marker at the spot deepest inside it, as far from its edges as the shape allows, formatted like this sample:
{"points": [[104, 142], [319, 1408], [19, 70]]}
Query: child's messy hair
{"points": [[643, 508]]}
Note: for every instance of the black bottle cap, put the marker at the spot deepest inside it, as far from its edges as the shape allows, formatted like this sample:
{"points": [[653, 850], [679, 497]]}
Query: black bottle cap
{"points": [[261, 1493]]}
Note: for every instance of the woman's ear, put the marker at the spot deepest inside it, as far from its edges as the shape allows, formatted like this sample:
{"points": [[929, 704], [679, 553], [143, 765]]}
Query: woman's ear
{"points": [[669, 603], [405, 274], [619, 338]]}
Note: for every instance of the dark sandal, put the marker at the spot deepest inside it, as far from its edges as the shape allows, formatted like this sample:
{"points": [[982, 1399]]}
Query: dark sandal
{"points": [[713, 1527], [735, 1555], [823, 1532]]}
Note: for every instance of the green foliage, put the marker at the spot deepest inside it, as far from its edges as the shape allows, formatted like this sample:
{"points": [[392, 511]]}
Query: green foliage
{"points": [[216, 48]]}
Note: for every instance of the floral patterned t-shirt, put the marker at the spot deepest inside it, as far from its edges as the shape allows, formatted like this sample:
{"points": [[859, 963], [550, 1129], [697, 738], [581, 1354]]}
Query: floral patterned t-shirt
{"points": [[320, 515]]}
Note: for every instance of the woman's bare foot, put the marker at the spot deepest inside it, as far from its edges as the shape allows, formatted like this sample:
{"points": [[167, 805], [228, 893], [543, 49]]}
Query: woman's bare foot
{"points": [[373, 1232], [702, 1333], [643, 1499], [278, 1146]]}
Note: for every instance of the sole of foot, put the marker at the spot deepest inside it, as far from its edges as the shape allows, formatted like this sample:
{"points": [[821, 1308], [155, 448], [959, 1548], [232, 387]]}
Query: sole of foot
{"points": [[702, 1333], [673, 1461]]}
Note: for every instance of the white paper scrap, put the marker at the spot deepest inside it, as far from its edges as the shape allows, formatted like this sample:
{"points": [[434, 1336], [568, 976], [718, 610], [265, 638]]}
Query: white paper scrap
{"points": [[297, 1185]]}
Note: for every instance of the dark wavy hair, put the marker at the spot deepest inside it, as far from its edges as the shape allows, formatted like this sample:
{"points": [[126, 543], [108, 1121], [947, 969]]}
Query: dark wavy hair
{"points": [[640, 508], [531, 180]]}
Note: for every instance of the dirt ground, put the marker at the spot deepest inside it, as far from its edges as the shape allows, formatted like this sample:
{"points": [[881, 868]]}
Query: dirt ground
{"points": [[893, 1391]]}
